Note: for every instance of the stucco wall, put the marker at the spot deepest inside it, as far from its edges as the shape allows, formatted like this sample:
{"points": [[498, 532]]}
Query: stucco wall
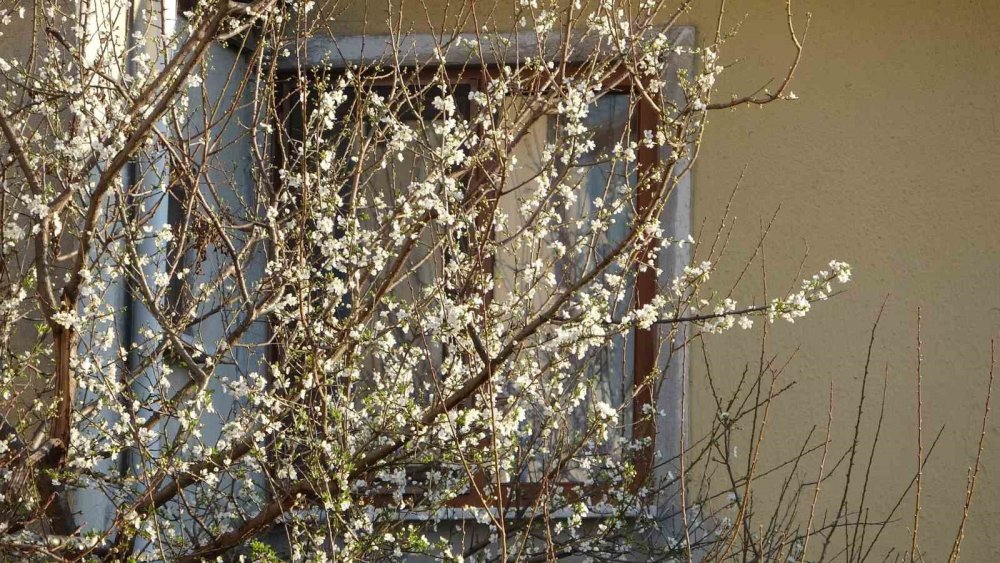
{"points": [[887, 161]]}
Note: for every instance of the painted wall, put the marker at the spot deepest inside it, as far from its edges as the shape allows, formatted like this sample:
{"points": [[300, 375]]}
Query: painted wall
{"points": [[888, 161]]}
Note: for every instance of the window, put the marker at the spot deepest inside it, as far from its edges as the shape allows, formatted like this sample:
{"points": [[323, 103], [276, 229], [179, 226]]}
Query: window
{"points": [[620, 373], [184, 5], [591, 182]]}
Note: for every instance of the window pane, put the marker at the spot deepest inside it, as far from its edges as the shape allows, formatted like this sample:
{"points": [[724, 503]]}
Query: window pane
{"points": [[590, 199], [394, 187], [585, 205]]}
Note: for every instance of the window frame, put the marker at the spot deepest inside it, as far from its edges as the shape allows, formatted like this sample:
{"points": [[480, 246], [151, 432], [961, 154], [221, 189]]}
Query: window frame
{"points": [[668, 434]]}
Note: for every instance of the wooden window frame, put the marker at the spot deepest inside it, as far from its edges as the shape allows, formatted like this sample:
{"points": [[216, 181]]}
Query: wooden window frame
{"points": [[669, 436], [184, 5]]}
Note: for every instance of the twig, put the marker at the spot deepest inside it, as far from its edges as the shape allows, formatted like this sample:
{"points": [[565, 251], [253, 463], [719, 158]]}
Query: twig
{"points": [[920, 448], [974, 472]]}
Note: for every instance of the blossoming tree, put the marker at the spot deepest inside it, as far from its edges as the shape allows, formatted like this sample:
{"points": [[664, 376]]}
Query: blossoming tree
{"points": [[405, 302]]}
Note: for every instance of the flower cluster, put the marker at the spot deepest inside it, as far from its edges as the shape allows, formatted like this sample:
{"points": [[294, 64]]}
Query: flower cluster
{"points": [[816, 288]]}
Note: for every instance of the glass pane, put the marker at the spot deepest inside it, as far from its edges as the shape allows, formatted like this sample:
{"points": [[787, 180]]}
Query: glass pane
{"points": [[592, 203], [385, 191]]}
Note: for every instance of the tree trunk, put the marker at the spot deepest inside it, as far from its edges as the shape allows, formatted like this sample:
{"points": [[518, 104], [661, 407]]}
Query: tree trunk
{"points": [[52, 490]]}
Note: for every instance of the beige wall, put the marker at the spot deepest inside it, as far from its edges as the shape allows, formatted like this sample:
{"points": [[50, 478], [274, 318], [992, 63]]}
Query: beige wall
{"points": [[888, 161], [16, 38]]}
